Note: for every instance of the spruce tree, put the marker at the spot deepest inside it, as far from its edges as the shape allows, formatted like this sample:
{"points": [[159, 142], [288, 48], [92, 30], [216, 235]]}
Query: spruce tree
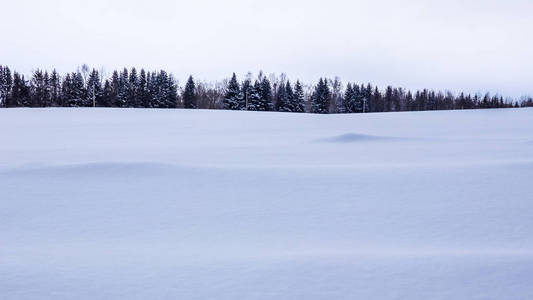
{"points": [[94, 89], [145, 96], [115, 89], [321, 98], [409, 101], [281, 98], [123, 89], [289, 94], [20, 93], [38, 89], [78, 90], [266, 95], [388, 99], [166, 90], [246, 89], [189, 94], [377, 104], [358, 99], [107, 98], [55, 89], [231, 97], [299, 98], [133, 85], [6, 84], [47, 101], [347, 103], [254, 98]]}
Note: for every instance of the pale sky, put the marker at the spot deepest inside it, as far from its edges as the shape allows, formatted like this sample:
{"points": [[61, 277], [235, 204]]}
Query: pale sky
{"points": [[470, 45]]}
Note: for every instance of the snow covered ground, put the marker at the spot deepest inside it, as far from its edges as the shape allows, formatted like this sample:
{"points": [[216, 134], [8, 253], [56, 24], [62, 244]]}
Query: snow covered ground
{"points": [[191, 204]]}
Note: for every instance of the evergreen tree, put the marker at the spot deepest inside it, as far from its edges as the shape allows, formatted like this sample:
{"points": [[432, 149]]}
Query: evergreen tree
{"points": [[299, 98], [144, 93], [409, 101], [39, 89], [6, 84], [231, 97], [123, 96], [115, 89], [108, 97], [289, 94], [78, 90], [254, 99], [153, 88], [321, 98], [366, 94], [20, 93], [66, 87], [165, 91], [246, 89], [131, 89], [266, 95], [55, 89], [94, 89], [348, 101], [358, 98], [189, 94], [388, 99], [377, 103], [282, 100]]}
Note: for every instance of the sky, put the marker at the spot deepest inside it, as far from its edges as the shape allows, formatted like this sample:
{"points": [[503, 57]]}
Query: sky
{"points": [[468, 45]]}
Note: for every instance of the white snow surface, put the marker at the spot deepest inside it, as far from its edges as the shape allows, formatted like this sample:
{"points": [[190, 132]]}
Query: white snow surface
{"points": [[195, 204]]}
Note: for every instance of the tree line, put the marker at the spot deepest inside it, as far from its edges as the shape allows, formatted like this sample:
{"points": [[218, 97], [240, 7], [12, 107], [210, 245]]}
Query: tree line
{"points": [[150, 89]]}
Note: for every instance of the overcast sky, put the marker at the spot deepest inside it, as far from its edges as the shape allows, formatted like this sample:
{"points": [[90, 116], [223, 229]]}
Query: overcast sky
{"points": [[476, 45]]}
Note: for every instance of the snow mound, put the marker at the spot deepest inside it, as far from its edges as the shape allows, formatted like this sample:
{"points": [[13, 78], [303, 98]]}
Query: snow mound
{"points": [[356, 137]]}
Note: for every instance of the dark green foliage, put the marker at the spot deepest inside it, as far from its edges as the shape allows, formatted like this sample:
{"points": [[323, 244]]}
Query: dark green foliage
{"points": [[321, 98], [298, 98], [266, 95], [231, 98], [189, 94]]}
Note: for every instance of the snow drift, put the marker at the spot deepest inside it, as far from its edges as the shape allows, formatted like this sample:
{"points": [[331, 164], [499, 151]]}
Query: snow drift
{"points": [[189, 204]]}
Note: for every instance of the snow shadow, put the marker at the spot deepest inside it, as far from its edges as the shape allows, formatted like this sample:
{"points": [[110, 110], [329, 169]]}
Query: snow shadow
{"points": [[358, 138]]}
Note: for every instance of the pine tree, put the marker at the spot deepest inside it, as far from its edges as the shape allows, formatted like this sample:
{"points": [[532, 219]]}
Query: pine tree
{"points": [[164, 90], [299, 98], [38, 89], [358, 99], [246, 89], [254, 98], [78, 90], [123, 89], [231, 97], [281, 98], [145, 96], [321, 98], [348, 100], [377, 103], [289, 96], [20, 93], [266, 95], [94, 89], [6, 84], [409, 101], [115, 89], [107, 98], [47, 101], [388, 99], [189, 94], [131, 89]]}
